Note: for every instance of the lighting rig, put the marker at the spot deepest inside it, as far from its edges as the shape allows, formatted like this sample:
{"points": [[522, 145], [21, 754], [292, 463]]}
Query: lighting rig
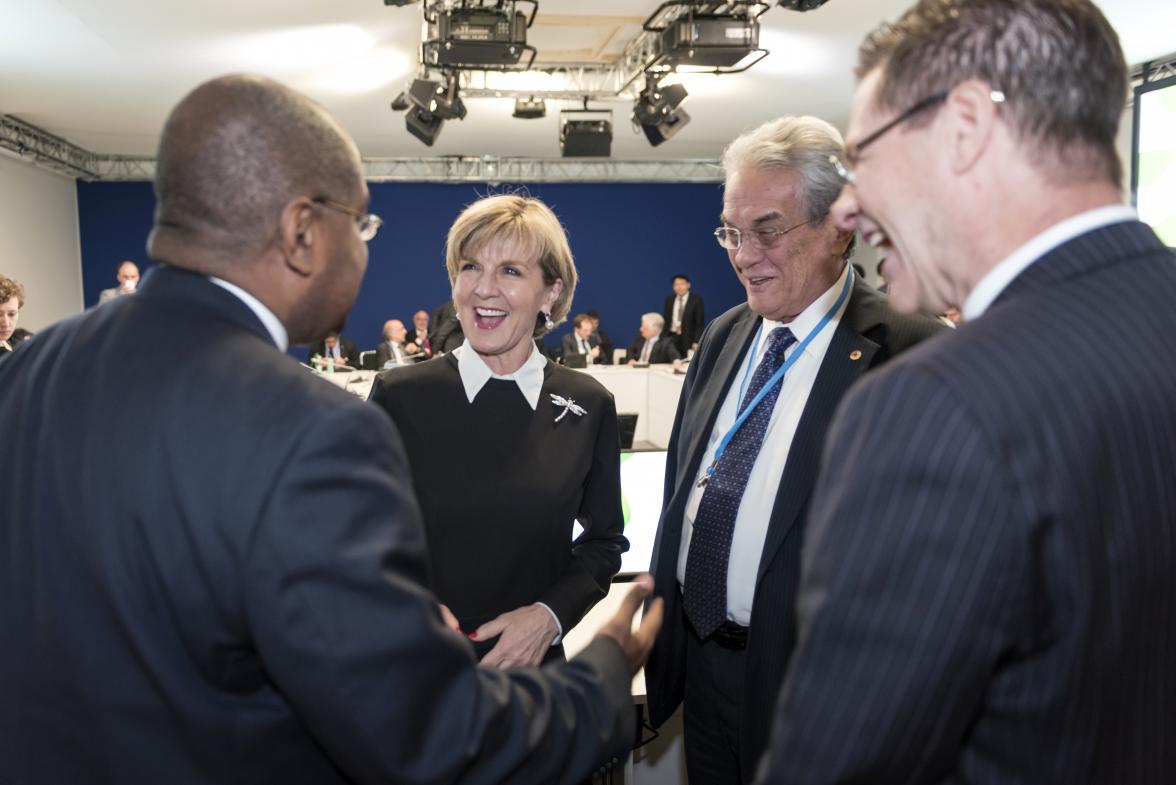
{"points": [[466, 41]]}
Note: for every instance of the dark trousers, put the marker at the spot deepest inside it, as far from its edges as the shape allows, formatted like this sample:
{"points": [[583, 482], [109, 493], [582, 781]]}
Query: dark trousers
{"points": [[711, 708]]}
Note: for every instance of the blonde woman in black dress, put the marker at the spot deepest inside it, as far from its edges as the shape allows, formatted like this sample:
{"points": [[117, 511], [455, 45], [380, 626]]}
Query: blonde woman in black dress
{"points": [[509, 451]]}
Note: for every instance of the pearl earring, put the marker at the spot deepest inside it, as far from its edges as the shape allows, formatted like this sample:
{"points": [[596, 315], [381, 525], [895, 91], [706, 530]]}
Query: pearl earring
{"points": [[550, 325]]}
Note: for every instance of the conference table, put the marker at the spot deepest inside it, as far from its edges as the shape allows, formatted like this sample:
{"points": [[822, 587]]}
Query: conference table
{"points": [[650, 392]]}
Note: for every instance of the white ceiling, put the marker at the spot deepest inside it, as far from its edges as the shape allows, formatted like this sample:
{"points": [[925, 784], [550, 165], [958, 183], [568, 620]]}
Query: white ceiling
{"points": [[104, 73]]}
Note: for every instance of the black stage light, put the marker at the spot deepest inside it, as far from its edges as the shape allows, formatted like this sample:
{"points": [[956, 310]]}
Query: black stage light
{"points": [[670, 125], [479, 36], [585, 139], [399, 2], [657, 111], [424, 125], [708, 40], [430, 104], [529, 108], [802, 5], [588, 137]]}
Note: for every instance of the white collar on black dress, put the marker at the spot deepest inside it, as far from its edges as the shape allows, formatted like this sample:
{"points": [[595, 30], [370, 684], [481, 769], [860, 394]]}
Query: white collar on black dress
{"points": [[475, 373]]}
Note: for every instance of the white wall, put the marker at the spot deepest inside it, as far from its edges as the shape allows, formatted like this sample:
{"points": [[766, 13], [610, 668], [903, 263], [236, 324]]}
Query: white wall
{"points": [[39, 244]]}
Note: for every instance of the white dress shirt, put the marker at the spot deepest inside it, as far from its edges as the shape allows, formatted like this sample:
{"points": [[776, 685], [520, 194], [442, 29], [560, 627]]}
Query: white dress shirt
{"points": [[751, 523], [679, 306], [997, 279], [275, 327]]}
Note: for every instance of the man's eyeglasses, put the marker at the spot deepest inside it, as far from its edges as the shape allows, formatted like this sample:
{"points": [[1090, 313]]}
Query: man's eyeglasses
{"points": [[853, 151], [764, 239], [367, 223]]}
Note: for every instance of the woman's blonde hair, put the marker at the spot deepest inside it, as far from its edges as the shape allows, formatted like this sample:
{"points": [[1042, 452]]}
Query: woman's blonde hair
{"points": [[532, 227]]}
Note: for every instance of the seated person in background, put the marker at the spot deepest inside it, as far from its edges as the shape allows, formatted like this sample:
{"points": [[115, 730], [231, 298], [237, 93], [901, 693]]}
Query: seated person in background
{"points": [[447, 333], [649, 345], [581, 340], [11, 301], [392, 351], [128, 282], [334, 347], [606, 344], [507, 448], [419, 340]]}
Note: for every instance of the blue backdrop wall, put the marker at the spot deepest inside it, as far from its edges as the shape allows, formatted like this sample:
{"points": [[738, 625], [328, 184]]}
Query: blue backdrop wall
{"points": [[628, 239]]}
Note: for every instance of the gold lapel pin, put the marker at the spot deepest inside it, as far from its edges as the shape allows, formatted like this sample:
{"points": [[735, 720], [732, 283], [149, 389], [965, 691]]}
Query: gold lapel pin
{"points": [[855, 355]]}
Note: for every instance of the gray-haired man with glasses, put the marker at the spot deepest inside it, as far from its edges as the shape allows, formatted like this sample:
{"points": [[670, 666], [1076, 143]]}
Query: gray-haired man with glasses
{"points": [[743, 456]]}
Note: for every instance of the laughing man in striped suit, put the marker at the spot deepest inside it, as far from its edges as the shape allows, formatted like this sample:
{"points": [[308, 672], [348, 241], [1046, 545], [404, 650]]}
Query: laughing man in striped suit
{"points": [[988, 591]]}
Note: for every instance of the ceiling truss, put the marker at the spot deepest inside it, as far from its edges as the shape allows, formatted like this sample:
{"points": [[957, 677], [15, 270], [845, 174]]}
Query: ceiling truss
{"points": [[56, 154]]}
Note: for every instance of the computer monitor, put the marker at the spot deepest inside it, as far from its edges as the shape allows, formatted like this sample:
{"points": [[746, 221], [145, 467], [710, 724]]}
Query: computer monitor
{"points": [[642, 484], [1153, 156], [642, 476]]}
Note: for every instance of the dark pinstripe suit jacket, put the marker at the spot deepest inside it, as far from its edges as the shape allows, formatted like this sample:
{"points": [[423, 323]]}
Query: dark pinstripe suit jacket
{"points": [[989, 585], [869, 327]]}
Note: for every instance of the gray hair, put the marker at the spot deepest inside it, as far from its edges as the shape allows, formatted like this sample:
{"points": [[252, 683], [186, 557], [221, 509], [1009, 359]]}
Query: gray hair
{"points": [[799, 144], [1028, 49], [655, 319]]}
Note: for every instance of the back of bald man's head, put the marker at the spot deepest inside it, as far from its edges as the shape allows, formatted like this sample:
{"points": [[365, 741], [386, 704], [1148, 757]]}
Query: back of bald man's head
{"points": [[234, 152]]}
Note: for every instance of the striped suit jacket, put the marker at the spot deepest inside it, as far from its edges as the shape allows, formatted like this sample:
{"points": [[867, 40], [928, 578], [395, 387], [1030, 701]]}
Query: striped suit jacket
{"points": [[867, 335], [989, 586]]}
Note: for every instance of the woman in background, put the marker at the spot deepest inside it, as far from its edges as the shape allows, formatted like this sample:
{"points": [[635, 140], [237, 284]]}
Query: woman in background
{"points": [[507, 449], [11, 301]]}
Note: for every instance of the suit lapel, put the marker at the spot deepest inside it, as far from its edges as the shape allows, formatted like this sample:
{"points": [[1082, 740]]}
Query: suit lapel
{"points": [[849, 355]]}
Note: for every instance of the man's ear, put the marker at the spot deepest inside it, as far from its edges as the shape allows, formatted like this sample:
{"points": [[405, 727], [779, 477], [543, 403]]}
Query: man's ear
{"points": [[297, 233], [972, 116]]}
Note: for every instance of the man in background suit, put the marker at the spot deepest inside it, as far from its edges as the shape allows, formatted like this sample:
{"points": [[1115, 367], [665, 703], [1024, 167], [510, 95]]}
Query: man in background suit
{"points": [[128, 282], [342, 350], [602, 339], [683, 313], [651, 345], [581, 340], [727, 554], [447, 333], [237, 593], [393, 350], [988, 590], [418, 341]]}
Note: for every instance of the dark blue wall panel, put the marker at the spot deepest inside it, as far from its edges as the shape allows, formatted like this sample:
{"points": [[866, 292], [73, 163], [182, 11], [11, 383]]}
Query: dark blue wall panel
{"points": [[628, 240]]}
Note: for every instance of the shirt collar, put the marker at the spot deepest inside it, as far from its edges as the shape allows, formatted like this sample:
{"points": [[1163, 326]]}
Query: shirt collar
{"points": [[807, 320], [276, 330], [997, 279], [475, 373]]}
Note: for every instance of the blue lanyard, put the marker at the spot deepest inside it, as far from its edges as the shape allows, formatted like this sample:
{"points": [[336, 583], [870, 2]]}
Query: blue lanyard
{"points": [[776, 377]]}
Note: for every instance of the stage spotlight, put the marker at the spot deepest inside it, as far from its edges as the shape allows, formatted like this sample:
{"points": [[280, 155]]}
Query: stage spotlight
{"points": [[799, 5], [585, 133], [529, 108], [430, 105], [657, 111], [400, 103], [425, 126]]}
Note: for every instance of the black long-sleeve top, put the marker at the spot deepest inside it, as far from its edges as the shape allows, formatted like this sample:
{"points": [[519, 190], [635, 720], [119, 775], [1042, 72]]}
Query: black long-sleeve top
{"points": [[500, 486]]}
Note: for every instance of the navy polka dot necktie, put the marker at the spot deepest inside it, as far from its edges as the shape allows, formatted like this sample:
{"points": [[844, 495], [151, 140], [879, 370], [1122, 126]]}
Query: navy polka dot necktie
{"points": [[705, 597]]}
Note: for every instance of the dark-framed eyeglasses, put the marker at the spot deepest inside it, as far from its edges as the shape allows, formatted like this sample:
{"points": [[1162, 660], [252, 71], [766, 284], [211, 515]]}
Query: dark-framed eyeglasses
{"points": [[367, 223], [764, 239], [853, 150]]}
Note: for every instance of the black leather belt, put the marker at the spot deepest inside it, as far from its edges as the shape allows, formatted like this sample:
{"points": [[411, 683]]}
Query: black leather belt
{"points": [[731, 636]]}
